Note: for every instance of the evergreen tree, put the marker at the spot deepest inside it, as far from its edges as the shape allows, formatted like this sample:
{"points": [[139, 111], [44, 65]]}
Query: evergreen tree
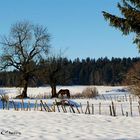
{"points": [[130, 20]]}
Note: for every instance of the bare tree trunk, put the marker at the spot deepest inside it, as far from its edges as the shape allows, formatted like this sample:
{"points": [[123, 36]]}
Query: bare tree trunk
{"points": [[24, 92], [54, 94], [25, 86]]}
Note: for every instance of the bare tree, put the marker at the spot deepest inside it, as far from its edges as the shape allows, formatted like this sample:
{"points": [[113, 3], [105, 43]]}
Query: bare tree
{"points": [[55, 71], [133, 79], [23, 48]]}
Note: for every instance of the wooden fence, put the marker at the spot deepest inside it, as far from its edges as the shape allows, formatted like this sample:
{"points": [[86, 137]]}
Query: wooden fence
{"points": [[128, 107]]}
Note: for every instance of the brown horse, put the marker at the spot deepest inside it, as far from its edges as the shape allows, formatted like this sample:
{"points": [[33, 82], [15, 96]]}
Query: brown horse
{"points": [[63, 92]]}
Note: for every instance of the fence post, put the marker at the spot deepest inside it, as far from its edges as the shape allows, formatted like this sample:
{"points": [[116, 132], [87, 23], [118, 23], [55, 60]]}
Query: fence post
{"points": [[35, 105], [110, 109], [14, 104], [49, 110], [77, 109], [62, 106], [53, 107], [139, 109], [125, 97], [7, 105], [22, 102], [122, 110], [81, 108], [126, 114], [99, 108], [29, 106], [3, 106], [113, 109], [57, 105], [72, 109], [43, 105], [130, 100], [93, 109], [87, 108]]}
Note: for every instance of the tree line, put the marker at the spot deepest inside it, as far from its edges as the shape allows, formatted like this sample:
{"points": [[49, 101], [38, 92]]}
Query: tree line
{"points": [[61, 71]]}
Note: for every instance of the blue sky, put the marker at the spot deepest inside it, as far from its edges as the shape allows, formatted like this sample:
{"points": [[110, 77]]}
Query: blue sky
{"points": [[77, 27]]}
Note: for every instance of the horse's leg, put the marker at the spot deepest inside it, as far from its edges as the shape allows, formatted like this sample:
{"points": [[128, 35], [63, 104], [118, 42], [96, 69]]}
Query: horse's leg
{"points": [[63, 95], [68, 95]]}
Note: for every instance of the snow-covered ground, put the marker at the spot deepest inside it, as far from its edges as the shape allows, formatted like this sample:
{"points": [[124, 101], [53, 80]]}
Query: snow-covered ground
{"points": [[59, 126], [42, 125]]}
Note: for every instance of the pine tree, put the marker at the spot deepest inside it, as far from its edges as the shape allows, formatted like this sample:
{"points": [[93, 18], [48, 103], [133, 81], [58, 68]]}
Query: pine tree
{"points": [[130, 20]]}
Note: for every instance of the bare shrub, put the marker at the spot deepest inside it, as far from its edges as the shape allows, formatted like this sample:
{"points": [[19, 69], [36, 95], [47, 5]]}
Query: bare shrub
{"points": [[90, 92], [4, 98], [135, 90], [133, 79]]}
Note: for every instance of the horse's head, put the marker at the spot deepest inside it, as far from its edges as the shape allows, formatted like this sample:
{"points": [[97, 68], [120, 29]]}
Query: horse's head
{"points": [[63, 92]]}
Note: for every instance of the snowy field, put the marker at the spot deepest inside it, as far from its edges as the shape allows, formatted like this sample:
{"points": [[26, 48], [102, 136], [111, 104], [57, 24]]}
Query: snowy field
{"points": [[12, 92], [42, 125]]}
